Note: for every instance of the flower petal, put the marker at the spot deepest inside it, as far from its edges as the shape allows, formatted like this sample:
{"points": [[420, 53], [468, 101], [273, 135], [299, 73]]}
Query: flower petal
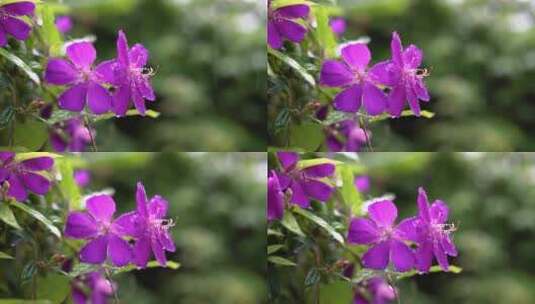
{"points": [[119, 251], [101, 207], [349, 100], [60, 72], [121, 100], [396, 100], [423, 205], [362, 231], [275, 199], [145, 88], [122, 49], [385, 73], [38, 163], [412, 57], [407, 229], [142, 250], [16, 188], [373, 99], [291, 30], [420, 90], [98, 99], [141, 200], [35, 182], [294, 11], [17, 28], [335, 74], [424, 256], [448, 246], [157, 207], [158, 251], [167, 242], [74, 98], [298, 195], [439, 212], [105, 72], [413, 100], [139, 56], [383, 213], [401, 256], [139, 102], [3, 37], [82, 54], [80, 225], [95, 251], [441, 256], [322, 170], [129, 224], [396, 49], [288, 160], [23, 8], [356, 55], [377, 256], [317, 190], [273, 37]]}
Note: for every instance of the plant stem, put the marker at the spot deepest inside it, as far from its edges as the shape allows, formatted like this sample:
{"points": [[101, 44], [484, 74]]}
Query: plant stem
{"points": [[88, 127]]}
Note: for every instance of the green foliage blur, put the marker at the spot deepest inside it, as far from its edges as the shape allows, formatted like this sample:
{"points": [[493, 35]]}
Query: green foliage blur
{"points": [[209, 59], [218, 202], [491, 197], [480, 55]]}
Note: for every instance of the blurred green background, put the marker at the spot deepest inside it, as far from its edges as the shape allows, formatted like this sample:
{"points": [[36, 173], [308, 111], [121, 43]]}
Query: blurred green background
{"points": [[209, 57], [218, 202], [492, 203]]}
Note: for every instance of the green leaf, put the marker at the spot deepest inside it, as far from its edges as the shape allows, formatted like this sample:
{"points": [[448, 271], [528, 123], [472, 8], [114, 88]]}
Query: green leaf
{"points": [[6, 116], [152, 264], [274, 248], [6, 215], [289, 222], [337, 292], [274, 232], [5, 256], [31, 134], [452, 269], [68, 185], [53, 287], [29, 155], [349, 192], [22, 301], [313, 277], [82, 268], [49, 31], [324, 32], [133, 112], [294, 65], [38, 216], [308, 136], [302, 164], [280, 3], [20, 64], [280, 261], [320, 222], [28, 272], [406, 113]]}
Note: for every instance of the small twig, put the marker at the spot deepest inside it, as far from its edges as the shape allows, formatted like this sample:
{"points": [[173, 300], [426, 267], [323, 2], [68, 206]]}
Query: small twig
{"points": [[365, 127], [88, 127], [108, 277]]}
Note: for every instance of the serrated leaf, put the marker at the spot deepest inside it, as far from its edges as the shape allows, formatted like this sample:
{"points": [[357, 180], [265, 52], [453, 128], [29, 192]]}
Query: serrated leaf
{"points": [[280, 261], [6, 215], [320, 222], [152, 264], [274, 248], [406, 113], [21, 65], [301, 71], [290, 223], [5, 256], [38, 216]]}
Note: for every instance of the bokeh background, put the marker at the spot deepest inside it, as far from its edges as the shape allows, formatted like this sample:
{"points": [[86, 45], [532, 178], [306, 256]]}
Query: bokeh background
{"points": [[492, 203], [218, 202], [209, 57]]}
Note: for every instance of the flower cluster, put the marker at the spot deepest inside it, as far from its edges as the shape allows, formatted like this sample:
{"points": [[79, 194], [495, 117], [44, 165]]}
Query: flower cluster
{"points": [[301, 185], [12, 23], [100, 289], [22, 177], [374, 291], [106, 236], [71, 135], [390, 242], [110, 85], [283, 24], [365, 87]]}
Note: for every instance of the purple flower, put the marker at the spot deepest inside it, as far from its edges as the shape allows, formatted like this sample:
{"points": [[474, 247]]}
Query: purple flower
{"points": [[359, 85], [281, 24], [338, 25], [149, 227], [82, 177], [404, 76], [11, 22], [85, 83], [374, 291], [64, 24], [386, 239], [362, 183], [70, 135], [23, 177], [103, 233], [100, 289], [275, 207], [432, 234], [346, 136], [304, 184], [129, 75]]}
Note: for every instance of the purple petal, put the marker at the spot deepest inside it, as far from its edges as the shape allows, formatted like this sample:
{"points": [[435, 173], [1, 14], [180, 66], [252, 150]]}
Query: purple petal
{"points": [[322, 170], [119, 251], [129, 224], [291, 30], [78, 296], [105, 71], [377, 256], [349, 100], [95, 251], [74, 98], [423, 205], [441, 256], [413, 100], [23, 8], [142, 250], [448, 246], [288, 160], [141, 200], [362, 231], [82, 54], [275, 203], [357, 55], [284, 180], [17, 28], [298, 195], [373, 99], [101, 207], [82, 177], [121, 100], [38, 163], [7, 157], [157, 207], [273, 36], [401, 256], [35, 182], [60, 72], [412, 57], [122, 49], [294, 11], [4, 173], [139, 102], [64, 24], [16, 188], [362, 183], [424, 256], [396, 49], [145, 88], [167, 242], [420, 90], [3, 37], [80, 225], [335, 74], [98, 99], [439, 212], [139, 56], [317, 190], [407, 229], [396, 101], [383, 213], [385, 73], [158, 251]]}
